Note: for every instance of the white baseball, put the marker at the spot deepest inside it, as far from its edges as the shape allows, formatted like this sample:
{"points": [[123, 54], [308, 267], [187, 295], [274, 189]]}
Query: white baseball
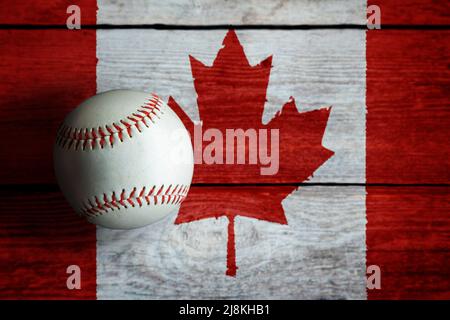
{"points": [[123, 159]]}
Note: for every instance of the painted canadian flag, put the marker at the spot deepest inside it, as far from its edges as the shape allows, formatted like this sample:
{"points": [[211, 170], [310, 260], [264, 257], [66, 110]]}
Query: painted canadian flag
{"points": [[350, 170]]}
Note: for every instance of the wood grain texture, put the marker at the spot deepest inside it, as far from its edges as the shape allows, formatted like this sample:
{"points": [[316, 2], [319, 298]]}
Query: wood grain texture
{"points": [[266, 12], [321, 77], [40, 236], [319, 254], [47, 12], [408, 236], [63, 67], [44, 74], [235, 12], [408, 127], [253, 12], [319, 68], [408, 119], [413, 12]]}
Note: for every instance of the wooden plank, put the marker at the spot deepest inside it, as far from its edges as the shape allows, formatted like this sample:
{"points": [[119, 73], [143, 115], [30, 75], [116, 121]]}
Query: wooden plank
{"points": [[45, 73], [254, 12], [206, 12], [412, 246], [408, 120], [319, 253], [408, 234], [49, 12], [322, 77], [266, 12], [414, 12], [64, 65], [40, 236], [319, 68]]}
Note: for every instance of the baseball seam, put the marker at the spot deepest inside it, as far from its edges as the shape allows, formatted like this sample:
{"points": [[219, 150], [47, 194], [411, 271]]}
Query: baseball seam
{"points": [[91, 138], [99, 205]]}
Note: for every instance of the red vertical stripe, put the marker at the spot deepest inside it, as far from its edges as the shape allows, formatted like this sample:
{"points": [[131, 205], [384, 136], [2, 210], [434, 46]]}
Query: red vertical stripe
{"points": [[408, 121], [44, 74], [408, 237]]}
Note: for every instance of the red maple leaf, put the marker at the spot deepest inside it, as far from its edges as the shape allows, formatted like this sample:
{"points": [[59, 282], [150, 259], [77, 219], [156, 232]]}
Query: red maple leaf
{"points": [[231, 95]]}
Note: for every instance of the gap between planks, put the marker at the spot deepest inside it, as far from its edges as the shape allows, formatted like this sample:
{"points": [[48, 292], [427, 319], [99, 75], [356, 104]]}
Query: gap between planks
{"points": [[54, 187], [225, 27]]}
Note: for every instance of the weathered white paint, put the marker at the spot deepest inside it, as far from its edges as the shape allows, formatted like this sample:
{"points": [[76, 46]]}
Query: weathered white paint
{"points": [[321, 252], [317, 67], [236, 12]]}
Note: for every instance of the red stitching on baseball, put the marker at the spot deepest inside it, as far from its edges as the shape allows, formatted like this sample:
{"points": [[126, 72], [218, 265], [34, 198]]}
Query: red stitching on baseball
{"points": [[83, 138], [103, 204]]}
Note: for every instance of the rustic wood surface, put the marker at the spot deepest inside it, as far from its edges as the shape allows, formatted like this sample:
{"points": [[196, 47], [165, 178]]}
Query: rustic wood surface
{"points": [[235, 12], [40, 236], [408, 233], [408, 84], [55, 71], [319, 68], [320, 78], [333, 231], [47, 12], [268, 12], [253, 12], [319, 254], [44, 223], [413, 12]]}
